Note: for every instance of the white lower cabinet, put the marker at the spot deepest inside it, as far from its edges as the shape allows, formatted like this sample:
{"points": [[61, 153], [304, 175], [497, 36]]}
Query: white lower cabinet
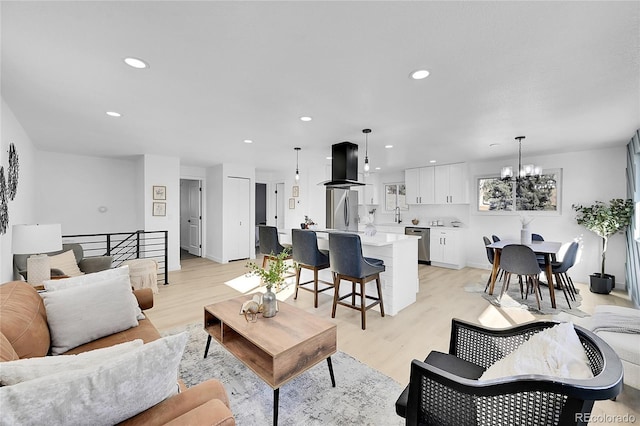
{"points": [[447, 249]]}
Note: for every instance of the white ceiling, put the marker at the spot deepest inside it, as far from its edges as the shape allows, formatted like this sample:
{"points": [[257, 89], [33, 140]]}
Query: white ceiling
{"points": [[565, 74]]}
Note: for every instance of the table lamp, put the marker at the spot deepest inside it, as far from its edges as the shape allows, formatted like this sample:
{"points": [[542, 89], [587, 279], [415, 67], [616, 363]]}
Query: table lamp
{"points": [[35, 240]]}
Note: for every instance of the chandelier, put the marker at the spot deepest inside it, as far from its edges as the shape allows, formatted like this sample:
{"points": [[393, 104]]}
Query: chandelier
{"points": [[523, 171]]}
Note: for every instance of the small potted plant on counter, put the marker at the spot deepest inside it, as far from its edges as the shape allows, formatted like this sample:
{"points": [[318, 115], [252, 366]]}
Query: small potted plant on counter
{"points": [[605, 220]]}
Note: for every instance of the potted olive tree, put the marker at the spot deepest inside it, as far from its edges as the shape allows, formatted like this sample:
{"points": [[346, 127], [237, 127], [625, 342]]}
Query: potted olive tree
{"points": [[605, 220]]}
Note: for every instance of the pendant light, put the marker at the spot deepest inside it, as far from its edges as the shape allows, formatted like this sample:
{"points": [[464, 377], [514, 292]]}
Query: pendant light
{"points": [[297, 170], [523, 171], [366, 151]]}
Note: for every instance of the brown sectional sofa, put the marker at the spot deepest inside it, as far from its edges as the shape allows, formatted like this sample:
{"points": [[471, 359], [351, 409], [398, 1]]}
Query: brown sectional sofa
{"points": [[24, 333]]}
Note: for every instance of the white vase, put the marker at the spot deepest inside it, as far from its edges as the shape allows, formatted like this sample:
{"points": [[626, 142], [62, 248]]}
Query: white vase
{"points": [[525, 235]]}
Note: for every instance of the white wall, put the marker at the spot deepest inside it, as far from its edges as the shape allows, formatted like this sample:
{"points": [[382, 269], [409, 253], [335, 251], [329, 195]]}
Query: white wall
{"points": [[73, 188], [22, 209], [587, 176], [164, 171]]}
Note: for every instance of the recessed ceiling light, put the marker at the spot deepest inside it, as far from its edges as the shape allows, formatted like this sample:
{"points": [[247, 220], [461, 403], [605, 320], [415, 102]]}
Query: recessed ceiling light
{"points": [[377, 168], [248, 141], [388, 146], [113, 114], [329, 158], [306, 118], [136, 63], [494, 144], [432, 161], [419, 74]]}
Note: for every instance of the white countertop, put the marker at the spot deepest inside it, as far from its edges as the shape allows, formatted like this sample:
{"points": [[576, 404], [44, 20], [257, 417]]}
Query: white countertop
{"points": [[377, 240]]}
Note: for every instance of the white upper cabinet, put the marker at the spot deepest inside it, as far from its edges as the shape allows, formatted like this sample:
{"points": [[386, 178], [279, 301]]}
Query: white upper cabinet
{"points": [[452, 184], [371, 190], [447, 184], [419, 184]]}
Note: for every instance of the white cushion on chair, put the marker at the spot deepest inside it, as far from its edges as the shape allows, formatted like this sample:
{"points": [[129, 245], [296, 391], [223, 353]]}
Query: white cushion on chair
{"points": [[555, 352]]}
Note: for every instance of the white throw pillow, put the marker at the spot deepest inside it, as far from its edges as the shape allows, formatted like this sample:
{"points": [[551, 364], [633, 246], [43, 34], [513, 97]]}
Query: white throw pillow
{"points": [[555, 351], [21, 370], [66, 262], [88, 279], [105, 394], [81, 314]]}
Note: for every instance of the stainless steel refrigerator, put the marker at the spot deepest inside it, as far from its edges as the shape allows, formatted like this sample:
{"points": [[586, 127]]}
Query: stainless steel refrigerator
{"points": [[342, 209]]}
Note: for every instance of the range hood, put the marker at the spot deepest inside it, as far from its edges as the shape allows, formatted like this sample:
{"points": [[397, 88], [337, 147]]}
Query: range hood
{"points": [[344, 166]]}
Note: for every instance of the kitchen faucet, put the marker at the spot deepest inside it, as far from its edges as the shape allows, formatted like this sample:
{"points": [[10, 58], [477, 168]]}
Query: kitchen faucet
{"points": [[397, 217]]}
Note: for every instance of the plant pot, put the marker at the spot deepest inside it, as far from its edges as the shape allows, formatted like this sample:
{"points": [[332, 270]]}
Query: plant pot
{"points": [[599, 284]]}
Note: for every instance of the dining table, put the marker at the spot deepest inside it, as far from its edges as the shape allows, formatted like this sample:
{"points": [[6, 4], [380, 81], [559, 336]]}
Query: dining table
{"points": [[548, 249]]}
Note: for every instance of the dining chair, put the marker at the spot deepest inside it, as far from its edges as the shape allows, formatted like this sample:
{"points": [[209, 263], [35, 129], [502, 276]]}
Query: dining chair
{"points": [[348, 263], [495, 238], [536, 237], [270, 245], [560, 269], [520, 260], [307, 255], [490, 257]]}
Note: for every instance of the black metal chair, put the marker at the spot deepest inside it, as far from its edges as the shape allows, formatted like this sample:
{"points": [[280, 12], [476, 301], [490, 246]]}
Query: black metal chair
{"points": [[495, 238], [444, 390], [269, 243], [520, 260], [307, 255], [490, 257], [348, 263]]}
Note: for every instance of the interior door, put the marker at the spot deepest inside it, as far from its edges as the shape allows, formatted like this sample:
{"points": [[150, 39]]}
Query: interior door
{"points": [[194, 192]]}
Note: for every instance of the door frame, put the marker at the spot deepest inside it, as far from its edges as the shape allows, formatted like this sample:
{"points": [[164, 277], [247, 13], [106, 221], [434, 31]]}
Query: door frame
{"points": [[203, 216]]}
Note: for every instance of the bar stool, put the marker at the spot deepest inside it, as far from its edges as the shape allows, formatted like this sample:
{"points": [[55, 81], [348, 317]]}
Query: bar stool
{"points": [[307, 255], [347, 263], [269, 244]]}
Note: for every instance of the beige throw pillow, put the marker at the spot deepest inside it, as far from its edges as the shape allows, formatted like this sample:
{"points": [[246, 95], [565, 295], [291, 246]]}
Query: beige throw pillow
{"points": [[84, 313], [105, 394], [21, 370], [66, 262]]}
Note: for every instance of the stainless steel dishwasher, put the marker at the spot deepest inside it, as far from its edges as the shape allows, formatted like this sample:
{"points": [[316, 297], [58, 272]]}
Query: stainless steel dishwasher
{"points": [[423, 243]]}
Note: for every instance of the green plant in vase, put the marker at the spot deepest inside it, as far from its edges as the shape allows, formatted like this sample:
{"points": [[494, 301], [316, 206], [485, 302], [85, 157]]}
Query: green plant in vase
{"points": [[605, 220], [271, 276]]}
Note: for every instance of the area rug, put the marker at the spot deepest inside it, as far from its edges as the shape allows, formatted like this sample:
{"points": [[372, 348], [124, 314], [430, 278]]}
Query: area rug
{"points": [[362, 396], [512, 299]]}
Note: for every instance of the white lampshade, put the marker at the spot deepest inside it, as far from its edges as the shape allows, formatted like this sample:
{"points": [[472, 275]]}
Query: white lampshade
{"points": [[506, 172], [33, 239]]}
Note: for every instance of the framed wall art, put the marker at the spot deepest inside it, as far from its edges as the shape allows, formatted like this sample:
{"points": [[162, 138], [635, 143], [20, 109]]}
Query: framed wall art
{"points": [[295, 191], [160, 193], [159, 209], [292, 203]]}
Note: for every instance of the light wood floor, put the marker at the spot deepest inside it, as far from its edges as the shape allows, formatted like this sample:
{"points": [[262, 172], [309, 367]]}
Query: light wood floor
{"points": [[390, 343]]}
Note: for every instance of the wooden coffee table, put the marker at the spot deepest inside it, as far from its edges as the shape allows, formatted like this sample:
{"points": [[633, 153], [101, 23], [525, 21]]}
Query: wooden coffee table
{"points": [[277, 349]]}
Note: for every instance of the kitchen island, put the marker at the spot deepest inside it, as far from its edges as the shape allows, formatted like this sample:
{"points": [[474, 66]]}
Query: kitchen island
{"points": [[400, 255]]}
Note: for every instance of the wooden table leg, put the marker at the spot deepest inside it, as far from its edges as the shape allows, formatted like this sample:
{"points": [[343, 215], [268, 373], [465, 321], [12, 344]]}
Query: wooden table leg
{"points": [[494, 271], [547, 266]]}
